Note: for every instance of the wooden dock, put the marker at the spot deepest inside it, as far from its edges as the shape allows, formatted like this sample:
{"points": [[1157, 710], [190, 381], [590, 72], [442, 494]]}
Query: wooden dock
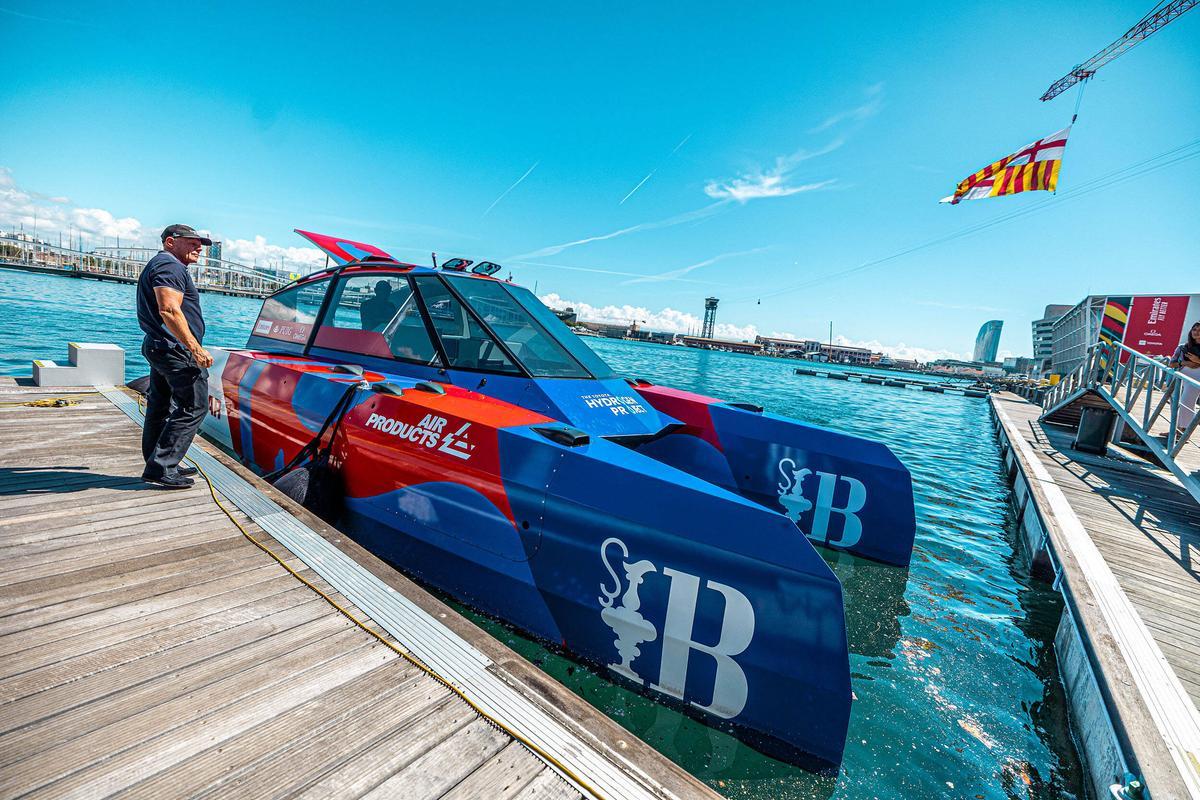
{"points": [[148, 648], [1122, 538]]}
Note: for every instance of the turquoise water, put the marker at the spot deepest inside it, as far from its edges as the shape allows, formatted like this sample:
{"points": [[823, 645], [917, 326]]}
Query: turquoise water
{"points": [[954, 674]]}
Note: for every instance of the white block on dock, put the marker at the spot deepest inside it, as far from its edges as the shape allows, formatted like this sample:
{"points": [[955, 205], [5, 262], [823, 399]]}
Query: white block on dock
{"points": [[90, 364]]}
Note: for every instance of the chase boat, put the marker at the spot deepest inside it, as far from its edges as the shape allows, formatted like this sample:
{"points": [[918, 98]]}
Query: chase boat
{"points": [[483, 448]]}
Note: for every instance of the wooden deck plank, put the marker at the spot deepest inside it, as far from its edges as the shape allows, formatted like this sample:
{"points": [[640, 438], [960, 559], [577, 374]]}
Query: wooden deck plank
{"points": [[138, 606], [140, 746], [295, 646], [444, 766], [61, 602], [288, 753], [131, 650], [391, 753], [549, 786], [174, 661], [501, 777], [53, 651]]}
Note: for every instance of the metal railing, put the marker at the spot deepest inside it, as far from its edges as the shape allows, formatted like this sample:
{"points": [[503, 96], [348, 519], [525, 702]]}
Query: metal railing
{"points": [[1145, 393], [125, 264]]}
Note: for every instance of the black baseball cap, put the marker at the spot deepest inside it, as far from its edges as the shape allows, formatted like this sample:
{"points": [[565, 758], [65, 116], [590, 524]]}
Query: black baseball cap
{"points": [[184, 232]]}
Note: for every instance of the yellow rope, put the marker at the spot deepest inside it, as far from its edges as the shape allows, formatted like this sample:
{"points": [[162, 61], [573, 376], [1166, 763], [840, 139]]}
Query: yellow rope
{"points": [[48, 402], [398, 650]]}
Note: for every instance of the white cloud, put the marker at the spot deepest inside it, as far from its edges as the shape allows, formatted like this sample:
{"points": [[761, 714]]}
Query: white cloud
{"points": [[773, 182], [869, 108], [754, 187], [667, 319], [902, 350], [49, 216], [678, 219], [677, 274], [99, 222], [258, 250]]}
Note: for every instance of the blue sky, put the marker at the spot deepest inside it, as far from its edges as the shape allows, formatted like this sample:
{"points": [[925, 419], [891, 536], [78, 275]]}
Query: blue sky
{"points": [[628, 155]]}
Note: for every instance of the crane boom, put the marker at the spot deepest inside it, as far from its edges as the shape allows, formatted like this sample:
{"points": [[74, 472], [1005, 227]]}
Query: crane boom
{"points": [[1162, 15]]}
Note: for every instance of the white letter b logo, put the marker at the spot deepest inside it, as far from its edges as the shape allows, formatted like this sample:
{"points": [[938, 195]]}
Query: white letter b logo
{"points": [[737, 629], [852, 525]]}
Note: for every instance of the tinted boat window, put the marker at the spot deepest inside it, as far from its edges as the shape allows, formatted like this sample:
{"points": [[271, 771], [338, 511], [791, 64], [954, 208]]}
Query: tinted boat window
{"points": [[467, 344], [289, 315], [559, 330], [537, 350], [376, 316]]}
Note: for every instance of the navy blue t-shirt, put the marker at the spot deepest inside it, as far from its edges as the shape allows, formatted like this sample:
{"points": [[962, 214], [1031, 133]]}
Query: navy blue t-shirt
{"points": [[167, 270]]}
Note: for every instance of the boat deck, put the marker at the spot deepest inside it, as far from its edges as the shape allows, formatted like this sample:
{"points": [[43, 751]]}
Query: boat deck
{"points": [[150, 649], [1126, 538]]}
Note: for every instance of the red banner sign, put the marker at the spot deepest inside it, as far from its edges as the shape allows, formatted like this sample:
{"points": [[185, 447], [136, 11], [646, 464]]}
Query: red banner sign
{"points": [[1156, 324]]}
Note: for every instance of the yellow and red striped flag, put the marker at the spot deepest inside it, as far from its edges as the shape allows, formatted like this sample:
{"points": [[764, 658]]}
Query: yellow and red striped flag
{"points": [[1032, 168]]}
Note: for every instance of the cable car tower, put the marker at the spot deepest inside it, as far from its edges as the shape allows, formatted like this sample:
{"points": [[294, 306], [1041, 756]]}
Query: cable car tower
{"points": [[710, 317]]}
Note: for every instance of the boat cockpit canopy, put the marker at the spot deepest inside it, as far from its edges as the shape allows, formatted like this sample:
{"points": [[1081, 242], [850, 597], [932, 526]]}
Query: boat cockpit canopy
{"points": [[426, 317]]}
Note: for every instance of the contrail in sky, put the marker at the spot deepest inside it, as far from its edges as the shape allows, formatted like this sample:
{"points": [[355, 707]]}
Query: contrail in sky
{"points": [[509, 189], [651, 172]]}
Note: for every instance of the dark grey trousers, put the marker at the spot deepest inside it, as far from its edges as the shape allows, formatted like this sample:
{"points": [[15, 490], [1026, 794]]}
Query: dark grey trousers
{"points": [[175, 407]]}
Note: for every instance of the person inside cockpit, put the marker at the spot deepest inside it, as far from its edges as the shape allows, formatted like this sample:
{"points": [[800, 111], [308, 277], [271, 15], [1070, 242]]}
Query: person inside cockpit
{"points": [[378, 310]]}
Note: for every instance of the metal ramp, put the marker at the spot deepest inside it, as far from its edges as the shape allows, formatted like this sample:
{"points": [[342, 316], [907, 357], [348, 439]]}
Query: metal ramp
{"points": [[1150, 400]]}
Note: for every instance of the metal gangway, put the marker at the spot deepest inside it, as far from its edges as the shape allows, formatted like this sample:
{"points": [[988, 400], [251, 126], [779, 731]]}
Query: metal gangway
{"points": [[1149, 398]]}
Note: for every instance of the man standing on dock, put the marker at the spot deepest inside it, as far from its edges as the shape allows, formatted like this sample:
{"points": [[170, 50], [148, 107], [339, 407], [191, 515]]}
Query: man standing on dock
{"points": [[168, 311]]}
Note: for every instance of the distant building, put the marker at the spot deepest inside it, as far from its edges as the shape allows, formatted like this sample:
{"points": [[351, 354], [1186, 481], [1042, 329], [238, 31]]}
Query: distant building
{"points": [[567, 315], [609, 329], [706, 343], [788, 347], [812, 349], [1043, 336], [1019, 365], [956, 366], [988, 341], [212, 252]]}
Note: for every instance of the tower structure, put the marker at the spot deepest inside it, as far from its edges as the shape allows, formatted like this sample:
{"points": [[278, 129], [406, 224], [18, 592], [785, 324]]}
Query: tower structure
{"points": [[988, 341], [710, 317]]}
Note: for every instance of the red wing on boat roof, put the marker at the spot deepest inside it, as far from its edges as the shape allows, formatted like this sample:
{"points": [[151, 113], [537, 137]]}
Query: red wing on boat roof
{"points": [[343, 251]]}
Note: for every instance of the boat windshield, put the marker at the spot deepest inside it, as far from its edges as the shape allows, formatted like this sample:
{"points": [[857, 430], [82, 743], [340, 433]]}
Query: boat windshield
{"points": [[555, 327], [538, 339]]}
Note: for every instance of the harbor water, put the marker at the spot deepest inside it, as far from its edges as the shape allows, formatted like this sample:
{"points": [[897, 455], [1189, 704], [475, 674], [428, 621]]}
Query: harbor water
{"points": [[954, 673]]}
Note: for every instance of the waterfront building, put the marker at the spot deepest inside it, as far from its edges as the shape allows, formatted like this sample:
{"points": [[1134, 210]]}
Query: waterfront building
{"points": [[954, 366], [1043, 336], [788, 347], [817, 351], [1153, 324], [212, 252], [1019, 365], [708, 343], [611, 330], [567, 315], [987, 342]]}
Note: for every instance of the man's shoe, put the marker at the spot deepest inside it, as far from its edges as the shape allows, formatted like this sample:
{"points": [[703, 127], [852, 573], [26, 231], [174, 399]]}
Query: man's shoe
{"points": [[185, 471], [170, 482]]}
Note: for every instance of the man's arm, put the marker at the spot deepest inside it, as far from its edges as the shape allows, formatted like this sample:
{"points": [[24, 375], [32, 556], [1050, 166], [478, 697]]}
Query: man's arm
{"points": [[170, 308]]}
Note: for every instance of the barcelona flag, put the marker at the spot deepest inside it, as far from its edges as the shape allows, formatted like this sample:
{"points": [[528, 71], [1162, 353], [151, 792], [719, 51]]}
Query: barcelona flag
{"points": [[1032, 168]]}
